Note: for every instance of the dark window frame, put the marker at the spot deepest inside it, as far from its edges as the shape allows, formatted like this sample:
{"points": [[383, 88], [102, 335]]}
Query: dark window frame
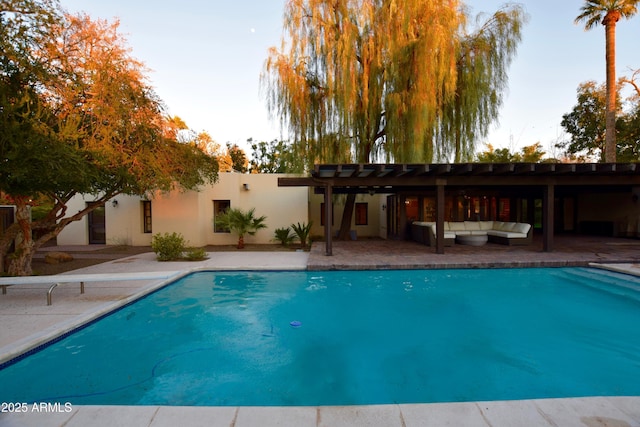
{"points": [[220, 206], [147, 221]]}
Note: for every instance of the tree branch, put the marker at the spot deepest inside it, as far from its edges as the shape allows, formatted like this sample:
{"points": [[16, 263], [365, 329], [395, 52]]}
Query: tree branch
{"points": [[632, 81]]}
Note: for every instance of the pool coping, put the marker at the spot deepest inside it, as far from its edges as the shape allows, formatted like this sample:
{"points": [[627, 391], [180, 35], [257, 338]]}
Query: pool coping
{"points": [[624, 268], [580, 411], [567, 411]]}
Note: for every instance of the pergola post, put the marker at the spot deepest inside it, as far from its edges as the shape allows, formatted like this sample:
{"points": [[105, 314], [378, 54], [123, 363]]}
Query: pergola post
{"points": [[402, 216], [440, 183], [547, 218], [328, 209]]}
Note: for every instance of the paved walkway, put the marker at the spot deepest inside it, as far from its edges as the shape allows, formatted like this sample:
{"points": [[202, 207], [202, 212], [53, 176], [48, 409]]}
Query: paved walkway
{"points": [[27, 321], [568, 251]]}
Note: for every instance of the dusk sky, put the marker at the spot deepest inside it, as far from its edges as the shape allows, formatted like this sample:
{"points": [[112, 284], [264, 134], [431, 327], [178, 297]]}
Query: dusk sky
{"points": [[206, 58]]}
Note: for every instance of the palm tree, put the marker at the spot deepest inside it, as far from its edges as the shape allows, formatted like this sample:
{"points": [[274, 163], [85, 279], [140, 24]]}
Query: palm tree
{"points": [[608, 13], [241, 223]]}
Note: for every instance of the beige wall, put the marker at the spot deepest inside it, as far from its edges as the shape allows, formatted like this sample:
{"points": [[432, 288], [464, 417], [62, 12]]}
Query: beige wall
{"points": [[376, 226], [191, 213]]}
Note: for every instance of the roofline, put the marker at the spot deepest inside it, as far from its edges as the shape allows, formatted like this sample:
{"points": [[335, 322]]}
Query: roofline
{"points": [[466, 174]]}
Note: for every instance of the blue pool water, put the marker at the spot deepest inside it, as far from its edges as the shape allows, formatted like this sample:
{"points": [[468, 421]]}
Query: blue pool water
{"points": [[351, 337]]}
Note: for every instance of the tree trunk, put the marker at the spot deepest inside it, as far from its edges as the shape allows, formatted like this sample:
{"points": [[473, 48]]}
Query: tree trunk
{"points": [[6, 240], [20, 264], [347, 214], [610, 133], [240, 242], [22, 232]]}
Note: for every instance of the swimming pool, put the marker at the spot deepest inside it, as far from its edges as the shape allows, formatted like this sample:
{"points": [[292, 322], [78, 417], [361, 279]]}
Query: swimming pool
{"points": [[350, 337]]}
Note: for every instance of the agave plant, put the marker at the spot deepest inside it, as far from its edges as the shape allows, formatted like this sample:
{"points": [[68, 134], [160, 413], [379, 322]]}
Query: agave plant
{"points": [[302, 231], [241, 223]]}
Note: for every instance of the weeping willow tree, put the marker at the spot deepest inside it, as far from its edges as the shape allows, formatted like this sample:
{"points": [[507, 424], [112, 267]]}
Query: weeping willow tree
{"points": [[370, 80], [484, 57], [363, 80]]}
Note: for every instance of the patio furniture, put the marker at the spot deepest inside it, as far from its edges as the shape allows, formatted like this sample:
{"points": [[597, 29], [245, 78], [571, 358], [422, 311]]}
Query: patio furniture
{"points": [[424, 232], [505, 233], [472, 239]]}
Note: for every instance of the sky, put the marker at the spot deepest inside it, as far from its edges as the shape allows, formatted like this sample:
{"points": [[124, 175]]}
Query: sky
{"points": [[206, 56]]}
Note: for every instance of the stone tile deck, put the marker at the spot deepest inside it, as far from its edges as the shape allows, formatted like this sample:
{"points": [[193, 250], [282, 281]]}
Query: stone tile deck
{"points": [[389, 254], [579, 412]]}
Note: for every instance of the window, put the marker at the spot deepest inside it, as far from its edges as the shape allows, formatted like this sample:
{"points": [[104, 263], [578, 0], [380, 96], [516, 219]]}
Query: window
{"points": [[504, 209], [322, 211], [412, 209], [219, 207], [146, 216], [362, 217]]}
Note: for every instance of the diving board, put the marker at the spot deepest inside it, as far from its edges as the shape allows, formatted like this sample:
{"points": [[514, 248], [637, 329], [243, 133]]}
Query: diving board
{"points": [[59, 279]]}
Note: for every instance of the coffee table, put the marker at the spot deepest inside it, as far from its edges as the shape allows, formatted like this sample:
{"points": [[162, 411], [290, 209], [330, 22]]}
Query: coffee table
{"points": [[472, 239]]}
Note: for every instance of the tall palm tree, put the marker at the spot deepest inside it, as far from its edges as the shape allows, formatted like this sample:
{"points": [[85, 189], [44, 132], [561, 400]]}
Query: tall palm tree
{"points": [[608, 13], [241, 223]]}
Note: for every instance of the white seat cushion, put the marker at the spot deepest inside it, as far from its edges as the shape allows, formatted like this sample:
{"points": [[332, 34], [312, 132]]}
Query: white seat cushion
{"points": [[456, 226], [486, 225], [507, 234], [471, 225], [507, 226], [522, 227]]}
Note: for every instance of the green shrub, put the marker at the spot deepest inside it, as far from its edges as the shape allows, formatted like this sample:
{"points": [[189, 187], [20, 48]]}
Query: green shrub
{"points": [[195, 254], [302, 231], [284, 236], [167, 246]]}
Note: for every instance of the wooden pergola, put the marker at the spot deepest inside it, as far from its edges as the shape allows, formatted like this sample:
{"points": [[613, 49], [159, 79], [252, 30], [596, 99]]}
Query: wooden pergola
{"points": [[394, 178]]}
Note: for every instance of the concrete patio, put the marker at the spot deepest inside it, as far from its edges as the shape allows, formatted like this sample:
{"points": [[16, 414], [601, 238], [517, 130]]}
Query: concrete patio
{"points": [[28, 322]]}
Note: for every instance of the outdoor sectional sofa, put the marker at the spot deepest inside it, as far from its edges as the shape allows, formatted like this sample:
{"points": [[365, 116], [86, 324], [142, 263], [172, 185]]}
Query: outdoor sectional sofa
{"points": [[506, 233]]}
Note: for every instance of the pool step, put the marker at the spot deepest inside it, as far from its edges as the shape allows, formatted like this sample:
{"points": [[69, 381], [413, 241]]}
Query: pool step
{"points": [[605, 281]]}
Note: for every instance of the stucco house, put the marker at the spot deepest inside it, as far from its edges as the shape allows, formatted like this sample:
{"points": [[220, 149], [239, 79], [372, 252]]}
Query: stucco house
{"points": [[554, 198], [132, 220]]}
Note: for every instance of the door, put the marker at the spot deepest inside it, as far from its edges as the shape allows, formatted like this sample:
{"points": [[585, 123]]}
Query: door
{"points": [[97, 226]]}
